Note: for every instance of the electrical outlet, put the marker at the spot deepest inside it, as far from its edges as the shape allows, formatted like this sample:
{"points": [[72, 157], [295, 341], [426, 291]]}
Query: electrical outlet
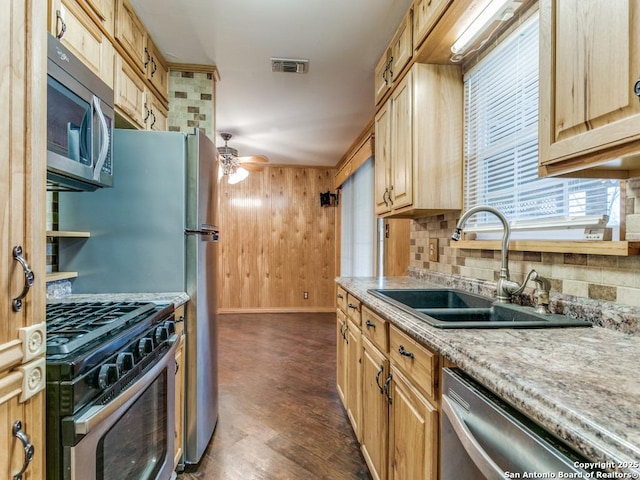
{"points": [[305, 295], [433, 249]]}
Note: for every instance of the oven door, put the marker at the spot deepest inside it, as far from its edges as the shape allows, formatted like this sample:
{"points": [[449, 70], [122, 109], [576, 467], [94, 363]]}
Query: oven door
{"points": [[133, 435]]}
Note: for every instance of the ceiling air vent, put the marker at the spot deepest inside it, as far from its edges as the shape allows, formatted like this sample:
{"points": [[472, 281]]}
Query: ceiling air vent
{"points": [[289, 65]]}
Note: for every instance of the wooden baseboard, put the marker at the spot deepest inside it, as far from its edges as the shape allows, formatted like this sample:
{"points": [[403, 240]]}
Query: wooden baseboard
{"points": [[222, 311]]}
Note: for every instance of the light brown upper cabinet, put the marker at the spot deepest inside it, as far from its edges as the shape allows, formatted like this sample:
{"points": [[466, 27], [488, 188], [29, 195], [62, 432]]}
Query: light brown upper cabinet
{"points": [[589, 90], [157, 69], [395, 57], [131, 34], [105, 11], [79, 32], [418, 168], [425, 15]]}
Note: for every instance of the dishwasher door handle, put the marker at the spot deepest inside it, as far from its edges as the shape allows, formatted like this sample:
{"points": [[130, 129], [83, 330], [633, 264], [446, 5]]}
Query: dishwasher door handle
{"points": [[473, 448]]}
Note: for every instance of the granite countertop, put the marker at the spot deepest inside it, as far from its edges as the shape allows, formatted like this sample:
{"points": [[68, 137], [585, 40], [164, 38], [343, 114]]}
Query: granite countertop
{"points": [[177, 298], [581, 384]]}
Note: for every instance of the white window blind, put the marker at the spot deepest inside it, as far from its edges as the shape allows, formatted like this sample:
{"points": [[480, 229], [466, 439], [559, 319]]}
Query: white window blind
{"points": [[501, 147], [358, 228]]}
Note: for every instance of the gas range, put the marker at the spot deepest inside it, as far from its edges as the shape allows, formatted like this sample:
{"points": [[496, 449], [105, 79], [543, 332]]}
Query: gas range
{"points": [[91, 346], [95, 352]]}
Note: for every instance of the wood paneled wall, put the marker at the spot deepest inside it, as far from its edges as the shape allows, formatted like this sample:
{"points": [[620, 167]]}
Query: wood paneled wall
{"points": [[276, 242]]}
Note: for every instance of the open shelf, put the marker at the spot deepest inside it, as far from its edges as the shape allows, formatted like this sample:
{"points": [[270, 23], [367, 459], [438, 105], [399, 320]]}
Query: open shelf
{"points": [[55, 276], [589, 247], [67, 234]]}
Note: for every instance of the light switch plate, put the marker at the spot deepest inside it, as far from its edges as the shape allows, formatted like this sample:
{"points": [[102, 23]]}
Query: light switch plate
{"points": [[433, 249]]}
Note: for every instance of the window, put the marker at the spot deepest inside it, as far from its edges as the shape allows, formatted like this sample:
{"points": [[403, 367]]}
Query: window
{"points": [[358, 242], [501, 150]]}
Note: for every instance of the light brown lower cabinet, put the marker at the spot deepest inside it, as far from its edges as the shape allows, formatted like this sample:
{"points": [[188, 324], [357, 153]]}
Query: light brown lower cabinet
{"points": [[399, 422], [413, 432], [341, 358], [375, 410], [179, 382], [354, 369]]}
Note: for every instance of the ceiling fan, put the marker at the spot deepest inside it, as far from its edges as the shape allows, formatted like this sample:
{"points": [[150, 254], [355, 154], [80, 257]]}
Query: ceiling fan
{"points": [[237, 168]]}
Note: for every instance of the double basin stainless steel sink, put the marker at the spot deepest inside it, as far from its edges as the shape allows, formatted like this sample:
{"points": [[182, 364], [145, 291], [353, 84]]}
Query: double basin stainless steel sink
{"points": [[451, 308]]}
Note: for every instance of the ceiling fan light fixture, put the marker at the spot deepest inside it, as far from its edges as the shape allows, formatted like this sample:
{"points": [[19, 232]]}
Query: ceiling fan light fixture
{"points": [[237, 176]]}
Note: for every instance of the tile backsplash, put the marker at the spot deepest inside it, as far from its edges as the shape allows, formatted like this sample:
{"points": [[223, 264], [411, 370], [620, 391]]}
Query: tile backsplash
{"points": [[596, 286], [191, 101]]}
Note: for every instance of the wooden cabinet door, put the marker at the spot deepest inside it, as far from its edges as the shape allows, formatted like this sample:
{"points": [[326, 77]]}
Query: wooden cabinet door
{"points": [[105, 10], [354, 372], [179, 405], [130, 93], [157, 70], [78, 32], [381, 78], [375, 410], [155, 113], [426, 13], [401, 46], [413, 432], [341, 364], [131, 34], [22, 196], [589, 65], [382, 166], [402, 143]]}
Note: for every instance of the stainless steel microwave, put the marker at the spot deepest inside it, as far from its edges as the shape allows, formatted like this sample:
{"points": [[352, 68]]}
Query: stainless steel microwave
{"points": [[79, 124]]}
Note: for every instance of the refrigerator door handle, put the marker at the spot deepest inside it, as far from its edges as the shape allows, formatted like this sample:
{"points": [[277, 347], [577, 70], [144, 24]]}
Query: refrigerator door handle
{"points": [[205, 235]]}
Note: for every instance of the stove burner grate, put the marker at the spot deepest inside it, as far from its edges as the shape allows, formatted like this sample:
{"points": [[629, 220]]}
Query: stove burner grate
{"points": [[73, 325]]}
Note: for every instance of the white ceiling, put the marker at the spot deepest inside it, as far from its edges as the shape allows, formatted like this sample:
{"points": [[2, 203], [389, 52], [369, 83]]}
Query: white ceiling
{"points": [[309, 119]]}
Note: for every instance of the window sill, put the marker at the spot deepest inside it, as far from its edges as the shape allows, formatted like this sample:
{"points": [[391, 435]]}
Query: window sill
{"points": [[589, 247]]}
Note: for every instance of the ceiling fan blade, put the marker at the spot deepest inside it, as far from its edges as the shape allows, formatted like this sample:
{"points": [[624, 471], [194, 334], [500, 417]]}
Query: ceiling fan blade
{"points": [[253, 159], [252, 167]]}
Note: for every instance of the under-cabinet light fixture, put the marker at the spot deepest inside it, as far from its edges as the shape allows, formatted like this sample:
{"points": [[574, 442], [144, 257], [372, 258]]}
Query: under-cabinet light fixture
{"points": [[501, 10]]}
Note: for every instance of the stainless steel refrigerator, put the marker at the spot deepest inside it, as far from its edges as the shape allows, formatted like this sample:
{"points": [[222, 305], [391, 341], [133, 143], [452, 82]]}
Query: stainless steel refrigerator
{"points": [[155, 231]]}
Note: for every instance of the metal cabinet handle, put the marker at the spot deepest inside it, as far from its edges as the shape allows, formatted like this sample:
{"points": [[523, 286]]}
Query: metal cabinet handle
{"points": [[146, 52], [340, 296], [29, 278], [636, 88], [405, 353], [389, 196], [63, 26], [29, 449], [370, 324], [385, 388], [381, 387], [146, 117], [154, 67], [351, 305]]}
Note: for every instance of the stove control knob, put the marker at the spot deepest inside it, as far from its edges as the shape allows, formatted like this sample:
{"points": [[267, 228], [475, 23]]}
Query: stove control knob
{"points": [[161, 335], [125, 362], [170, 325], [145, 346], [108, 375]]}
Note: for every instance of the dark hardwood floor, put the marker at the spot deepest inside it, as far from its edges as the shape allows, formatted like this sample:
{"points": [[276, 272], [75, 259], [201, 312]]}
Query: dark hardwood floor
{"points": [[280, 415]]}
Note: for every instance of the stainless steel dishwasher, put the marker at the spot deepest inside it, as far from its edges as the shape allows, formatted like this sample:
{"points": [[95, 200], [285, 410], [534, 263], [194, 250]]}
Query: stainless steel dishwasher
{"points": [[484, 438]]}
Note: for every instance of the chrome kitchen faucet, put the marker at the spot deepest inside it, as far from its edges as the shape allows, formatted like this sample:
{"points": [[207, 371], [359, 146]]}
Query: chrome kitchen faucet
{"points": [[506, 287]]}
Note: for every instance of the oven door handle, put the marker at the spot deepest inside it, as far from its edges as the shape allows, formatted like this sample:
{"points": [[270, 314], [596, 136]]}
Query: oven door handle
{"points": [[473, 448], [96, 415]]}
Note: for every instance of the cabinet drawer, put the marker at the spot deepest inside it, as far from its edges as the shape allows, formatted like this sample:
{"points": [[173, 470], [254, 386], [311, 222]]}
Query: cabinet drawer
{"points": [[341, 299], [418, 363], [354, 309], [375, 329]]}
